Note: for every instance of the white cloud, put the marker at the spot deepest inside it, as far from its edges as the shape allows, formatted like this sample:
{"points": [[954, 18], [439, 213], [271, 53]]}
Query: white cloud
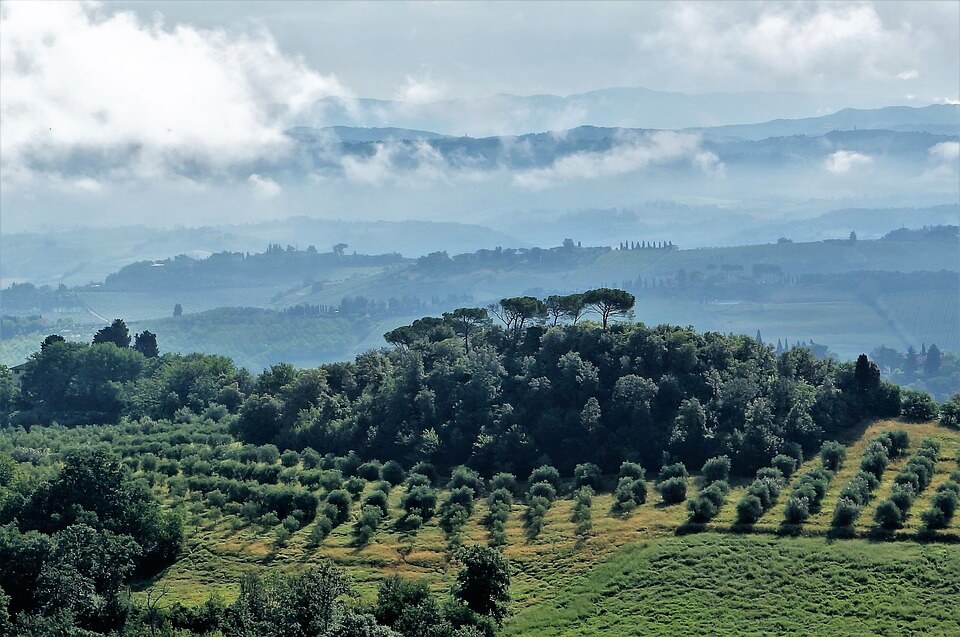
{"points": [[136, 99], [789, 45], [630, 155], [419, 91], [844, 161], [945, 151], [263, 187], [402, 164]]}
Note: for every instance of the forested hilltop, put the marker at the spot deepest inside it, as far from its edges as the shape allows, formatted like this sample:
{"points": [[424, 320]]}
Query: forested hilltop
{"points": [[542, 386]]}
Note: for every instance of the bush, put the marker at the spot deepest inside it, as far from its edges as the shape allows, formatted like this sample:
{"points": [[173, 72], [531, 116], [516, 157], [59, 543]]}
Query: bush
{"points": [[673, 490], [499, 496], [785, 464], [797, 509], [418, 480], [902, 497], [632, 470], [331, 480], [899, 442], [587, 475], [420, 500], [320, 530], [545, 473], [943, 506], [370, 471], [630, 493], [832, 455], [383, 486], [466, 477], [888, 516], [542, 490], [950, 412], [917, 406], [341, 501], [708, 502], [845, 513], [533, 517], [289, 458], [677, 470], [392, 472], [749, 509], [366, 525], [426, 469], [715, 469], [378, 499], [355, 486], [504, 481]]}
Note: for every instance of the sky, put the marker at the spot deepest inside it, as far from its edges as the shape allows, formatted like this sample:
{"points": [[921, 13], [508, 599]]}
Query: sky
{"points": [[96, 97]]}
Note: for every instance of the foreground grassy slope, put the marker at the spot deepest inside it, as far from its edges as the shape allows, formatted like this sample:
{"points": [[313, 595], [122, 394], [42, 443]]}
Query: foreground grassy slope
{"points": [[713, 584], [551, 568]]}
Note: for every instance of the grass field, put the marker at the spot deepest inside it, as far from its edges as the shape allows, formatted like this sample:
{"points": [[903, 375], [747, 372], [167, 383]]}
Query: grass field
{"points": [[713, 584], [649, 573]]}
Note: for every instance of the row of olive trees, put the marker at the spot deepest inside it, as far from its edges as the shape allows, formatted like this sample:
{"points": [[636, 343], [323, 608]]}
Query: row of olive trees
{"points": [[909, 482], [859, 490]]}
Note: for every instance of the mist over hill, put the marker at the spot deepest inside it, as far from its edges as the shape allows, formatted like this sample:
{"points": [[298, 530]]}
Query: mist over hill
{"points": [[628, 107]]}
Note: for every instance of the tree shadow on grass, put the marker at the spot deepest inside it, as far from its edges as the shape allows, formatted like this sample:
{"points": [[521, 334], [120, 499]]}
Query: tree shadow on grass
{"points": [[690, 527]]}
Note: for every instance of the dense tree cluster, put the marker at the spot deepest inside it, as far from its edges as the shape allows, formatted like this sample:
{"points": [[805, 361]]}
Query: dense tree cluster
{"points": [[70, 543], [459, 390]]}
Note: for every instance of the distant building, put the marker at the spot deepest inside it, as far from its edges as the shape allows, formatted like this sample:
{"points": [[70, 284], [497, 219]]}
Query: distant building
{"points": [[17, 372]]}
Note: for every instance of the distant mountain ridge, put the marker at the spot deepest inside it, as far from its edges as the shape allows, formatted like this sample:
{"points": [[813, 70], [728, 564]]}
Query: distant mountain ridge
{"points": [[627, 107], [936, 119]]}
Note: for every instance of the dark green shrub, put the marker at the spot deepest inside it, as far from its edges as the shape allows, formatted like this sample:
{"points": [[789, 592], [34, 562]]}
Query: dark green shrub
{"points": [[542, 490], [632, 470], [917, 406], [715, 469], [418, 480], [466, 477], [797, 509], [499, 496], [845, 513], [341, 501], [545, 473], [677, 470], [331, 480], [426, 469], [587, 475], [420, 500], [888, 516], [355, 486], [366, 525], [378, 499], [392, 472], [832, 455], [673, 490], [370, 471], [706, 505], [749, 509], [290, 458], [785, 464], [903, 498], [504, 481], [320, 530]]}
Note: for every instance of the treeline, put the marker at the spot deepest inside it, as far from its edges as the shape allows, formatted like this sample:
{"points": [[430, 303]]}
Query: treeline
{"points": [[240, 268], [541, 387]]}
